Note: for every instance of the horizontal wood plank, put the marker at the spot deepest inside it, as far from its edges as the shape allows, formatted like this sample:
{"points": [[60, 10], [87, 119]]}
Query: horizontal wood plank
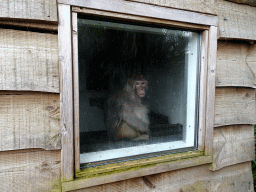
{"points": [[236, 64], [164, 22], [30, 120], [200, 178], [232, 145], [146, 10], [234, 106], [29, 61], [33, 9], [236, 21], [203, 6], [30, 171], [133, 173]]}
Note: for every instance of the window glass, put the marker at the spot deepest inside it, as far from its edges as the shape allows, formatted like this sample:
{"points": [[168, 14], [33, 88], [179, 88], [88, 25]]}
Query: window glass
{"points": [[138, 89]]}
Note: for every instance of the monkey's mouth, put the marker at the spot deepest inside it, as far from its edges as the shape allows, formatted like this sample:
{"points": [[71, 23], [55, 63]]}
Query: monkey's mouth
{"points": [[142, 95]]}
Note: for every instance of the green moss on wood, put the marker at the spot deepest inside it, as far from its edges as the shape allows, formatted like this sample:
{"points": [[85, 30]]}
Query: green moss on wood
{"points": [[135, 164]]}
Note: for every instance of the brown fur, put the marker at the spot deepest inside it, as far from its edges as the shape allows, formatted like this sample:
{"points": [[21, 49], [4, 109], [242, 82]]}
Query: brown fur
{"points": [[128, 116]]}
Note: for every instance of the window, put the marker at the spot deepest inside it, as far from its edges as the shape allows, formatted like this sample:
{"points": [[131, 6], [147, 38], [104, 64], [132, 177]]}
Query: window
{"points": [[112, 52], [101, 48]]}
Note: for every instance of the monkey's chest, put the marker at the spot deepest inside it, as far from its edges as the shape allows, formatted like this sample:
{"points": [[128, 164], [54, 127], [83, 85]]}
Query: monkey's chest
{"points": [[141, 113]]}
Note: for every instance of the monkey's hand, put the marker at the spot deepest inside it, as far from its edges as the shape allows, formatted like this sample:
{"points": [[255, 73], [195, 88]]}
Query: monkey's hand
{"points": [[127, 131]]}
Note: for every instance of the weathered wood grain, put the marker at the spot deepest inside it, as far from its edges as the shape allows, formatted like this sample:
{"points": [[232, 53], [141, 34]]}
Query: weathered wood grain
{"points": [[203, 90], [66, 104], [232, 145], [76, 91], [210, 93], [146, 10], [234, 106], [199, 179], [203, 6], [251, 53], [251, 60], [29, 120], [126, 17], [236, 64], [30, 171], [29, 61], [32, 9], [236, 21], [248, 2], [119, 175]]}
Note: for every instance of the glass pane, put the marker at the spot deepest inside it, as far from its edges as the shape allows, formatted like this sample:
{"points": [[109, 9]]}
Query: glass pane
{"points": [[137, 89]]}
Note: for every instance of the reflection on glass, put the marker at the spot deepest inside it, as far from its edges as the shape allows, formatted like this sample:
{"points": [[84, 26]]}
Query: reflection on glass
{"points": [[137, 89]]}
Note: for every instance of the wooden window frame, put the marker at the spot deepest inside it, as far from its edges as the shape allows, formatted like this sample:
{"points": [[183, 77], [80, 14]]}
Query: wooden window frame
{"points": [[69, 90]]}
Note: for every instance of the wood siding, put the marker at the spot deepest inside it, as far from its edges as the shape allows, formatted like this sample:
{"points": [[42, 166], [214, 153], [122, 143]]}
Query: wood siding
{"points": [[234, 106], [236, 21], [232, 145], [30, 127], [33, 9], [29, 61], [248, 2], [30, 171], [233, 178], [29, 120], [204, 6], [236, 64]]}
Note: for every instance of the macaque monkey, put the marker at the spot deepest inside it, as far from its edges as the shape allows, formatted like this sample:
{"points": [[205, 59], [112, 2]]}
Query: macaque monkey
{"points": [[127, 115]]}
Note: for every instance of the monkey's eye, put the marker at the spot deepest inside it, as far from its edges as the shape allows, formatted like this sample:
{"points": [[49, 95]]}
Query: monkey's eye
{"points": [[137, 83]]}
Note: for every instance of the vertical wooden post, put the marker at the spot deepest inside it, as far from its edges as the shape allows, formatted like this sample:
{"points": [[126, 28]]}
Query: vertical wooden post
{"points": [[203, 88], [66, 92], [212, 54], [76, 91]]}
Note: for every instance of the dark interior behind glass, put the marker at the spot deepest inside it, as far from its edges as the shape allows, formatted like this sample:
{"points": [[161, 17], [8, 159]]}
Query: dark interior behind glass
{"points": [[110, 53]]}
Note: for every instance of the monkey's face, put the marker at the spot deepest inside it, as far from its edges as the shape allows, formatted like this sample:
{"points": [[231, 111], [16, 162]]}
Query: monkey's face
{"points": [[140, 87]]}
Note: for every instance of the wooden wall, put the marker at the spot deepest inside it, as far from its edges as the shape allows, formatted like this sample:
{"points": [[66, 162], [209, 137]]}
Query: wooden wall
{"points": [[29, 61], [44, 10], [236, 178], [29, 102], [30, 156]]}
